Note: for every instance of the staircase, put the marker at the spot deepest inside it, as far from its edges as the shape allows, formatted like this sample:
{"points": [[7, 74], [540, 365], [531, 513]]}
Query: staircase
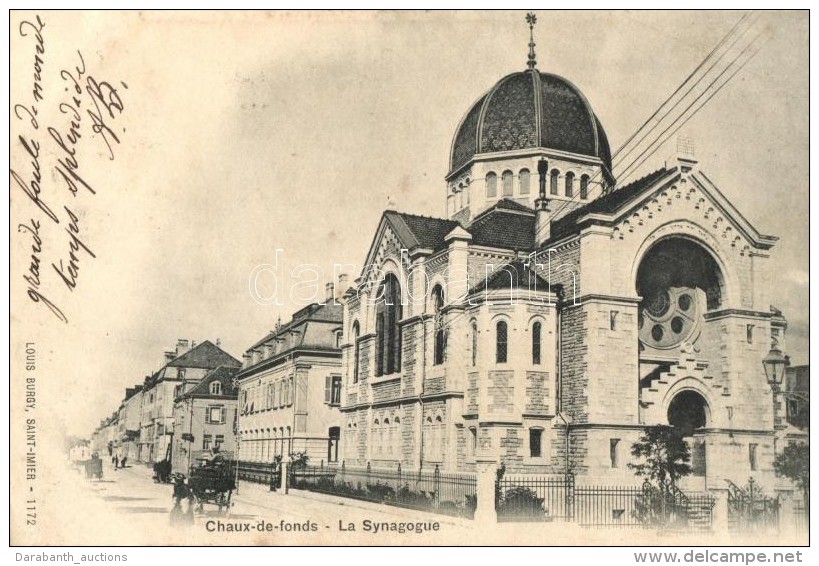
{"points": [[655, 386]]}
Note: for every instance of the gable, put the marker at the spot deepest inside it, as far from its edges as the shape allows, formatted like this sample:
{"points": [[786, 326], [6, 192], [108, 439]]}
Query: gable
{"points": [[663, 195]]}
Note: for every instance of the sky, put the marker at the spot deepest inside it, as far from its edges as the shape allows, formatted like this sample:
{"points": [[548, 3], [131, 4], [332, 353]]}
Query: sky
{"points": [[244, 133]]}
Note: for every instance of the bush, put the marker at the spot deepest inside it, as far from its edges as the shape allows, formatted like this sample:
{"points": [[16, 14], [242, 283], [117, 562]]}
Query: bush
{"points": [[381, 491], [521, 503], [409, 497]]}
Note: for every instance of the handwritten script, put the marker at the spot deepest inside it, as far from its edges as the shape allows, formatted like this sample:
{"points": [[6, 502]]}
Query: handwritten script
{"points": [[52, 175]]}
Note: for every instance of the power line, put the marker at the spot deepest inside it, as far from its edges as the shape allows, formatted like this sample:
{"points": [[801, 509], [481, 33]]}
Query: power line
{"points": [[619, 157], [725, 38], [659, 142]]}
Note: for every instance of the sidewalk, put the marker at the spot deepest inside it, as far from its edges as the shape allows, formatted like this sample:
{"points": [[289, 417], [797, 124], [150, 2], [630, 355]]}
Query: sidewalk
{"points": [[389, 512]]}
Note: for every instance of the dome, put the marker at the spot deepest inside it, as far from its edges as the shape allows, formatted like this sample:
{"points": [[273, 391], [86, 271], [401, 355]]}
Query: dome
{"points": [[526, 110]]}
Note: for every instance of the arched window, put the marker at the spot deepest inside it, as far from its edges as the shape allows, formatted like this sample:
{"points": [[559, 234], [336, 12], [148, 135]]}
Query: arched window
{"points": [[535, 442], [474, 343], [440, 327], [491, 185], [584, 187], [569, 184], [356, 350], [216, 388], [523, 178], [387, 329], [507, 183], [553, 181], [536, 328], [501, 342]]}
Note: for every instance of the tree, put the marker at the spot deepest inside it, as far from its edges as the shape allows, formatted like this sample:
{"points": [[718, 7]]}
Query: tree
{"points": [[663, 459], [665, 456], [794, 463]]}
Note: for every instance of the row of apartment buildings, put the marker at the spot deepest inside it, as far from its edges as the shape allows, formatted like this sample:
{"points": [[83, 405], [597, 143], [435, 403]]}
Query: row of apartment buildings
{"points": [[282, 397]]}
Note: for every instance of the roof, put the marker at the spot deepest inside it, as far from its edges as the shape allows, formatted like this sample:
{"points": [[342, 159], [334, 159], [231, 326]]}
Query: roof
{"points": [[205, 355], [419, 231], [526, 110], [314, 312], [515, 274], [202, 356], [222, 374], [507, 224], [312, 328], [607, 203]]}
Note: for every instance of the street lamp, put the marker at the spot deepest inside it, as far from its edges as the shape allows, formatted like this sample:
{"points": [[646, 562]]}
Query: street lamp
{"points": [[775, 364]]}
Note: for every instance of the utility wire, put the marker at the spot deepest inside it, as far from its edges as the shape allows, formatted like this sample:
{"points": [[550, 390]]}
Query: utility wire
{"points": [[662, 138], [618, 155], [725, 38]]}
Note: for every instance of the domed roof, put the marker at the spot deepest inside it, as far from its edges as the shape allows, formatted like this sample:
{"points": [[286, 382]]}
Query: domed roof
{"points": [[530, 109]]}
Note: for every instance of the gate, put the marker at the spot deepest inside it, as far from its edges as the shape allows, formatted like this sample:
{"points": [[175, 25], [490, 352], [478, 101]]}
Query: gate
{"points": [[750, 509]]}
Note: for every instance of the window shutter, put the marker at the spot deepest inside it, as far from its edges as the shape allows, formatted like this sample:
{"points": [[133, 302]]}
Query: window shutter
{"points": [[224, 415], [328, 388]]}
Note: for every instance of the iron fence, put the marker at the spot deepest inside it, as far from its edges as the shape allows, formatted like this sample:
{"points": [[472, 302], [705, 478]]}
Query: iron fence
{"points": [[527, 498], [446, 493], [259, 472], [607, 506], [750, 509]]}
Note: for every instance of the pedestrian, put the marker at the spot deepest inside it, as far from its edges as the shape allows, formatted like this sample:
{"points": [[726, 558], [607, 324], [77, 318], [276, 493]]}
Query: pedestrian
{"points": [[116, 461], [124, 459]]}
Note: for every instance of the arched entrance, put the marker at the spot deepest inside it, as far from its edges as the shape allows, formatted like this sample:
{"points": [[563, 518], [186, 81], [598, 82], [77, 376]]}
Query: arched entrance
{"points": [[679, 281], [688, 412]]}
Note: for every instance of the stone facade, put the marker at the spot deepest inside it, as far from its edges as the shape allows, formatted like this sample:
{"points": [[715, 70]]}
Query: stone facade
{"points": [[290, 390], [651, 303]]}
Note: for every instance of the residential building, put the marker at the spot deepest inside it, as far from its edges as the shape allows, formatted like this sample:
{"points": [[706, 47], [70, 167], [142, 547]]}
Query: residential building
{"points": [[184, 367], [204, 419], [290, 388], [128, 424]]}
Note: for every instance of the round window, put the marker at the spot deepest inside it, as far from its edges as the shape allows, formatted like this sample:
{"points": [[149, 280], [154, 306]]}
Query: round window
{"points": [[659, 303], [657, 332]]}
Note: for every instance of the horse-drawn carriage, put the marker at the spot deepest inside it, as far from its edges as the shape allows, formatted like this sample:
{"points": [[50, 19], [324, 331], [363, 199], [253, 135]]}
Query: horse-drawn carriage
{"points": [[210, 480], [93, 467]]}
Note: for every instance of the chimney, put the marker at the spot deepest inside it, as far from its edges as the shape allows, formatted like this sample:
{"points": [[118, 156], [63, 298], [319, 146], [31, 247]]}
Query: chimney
{"points": [[169, 356], [181, 346], [341, 285], [543, 216], [329, 293]]}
